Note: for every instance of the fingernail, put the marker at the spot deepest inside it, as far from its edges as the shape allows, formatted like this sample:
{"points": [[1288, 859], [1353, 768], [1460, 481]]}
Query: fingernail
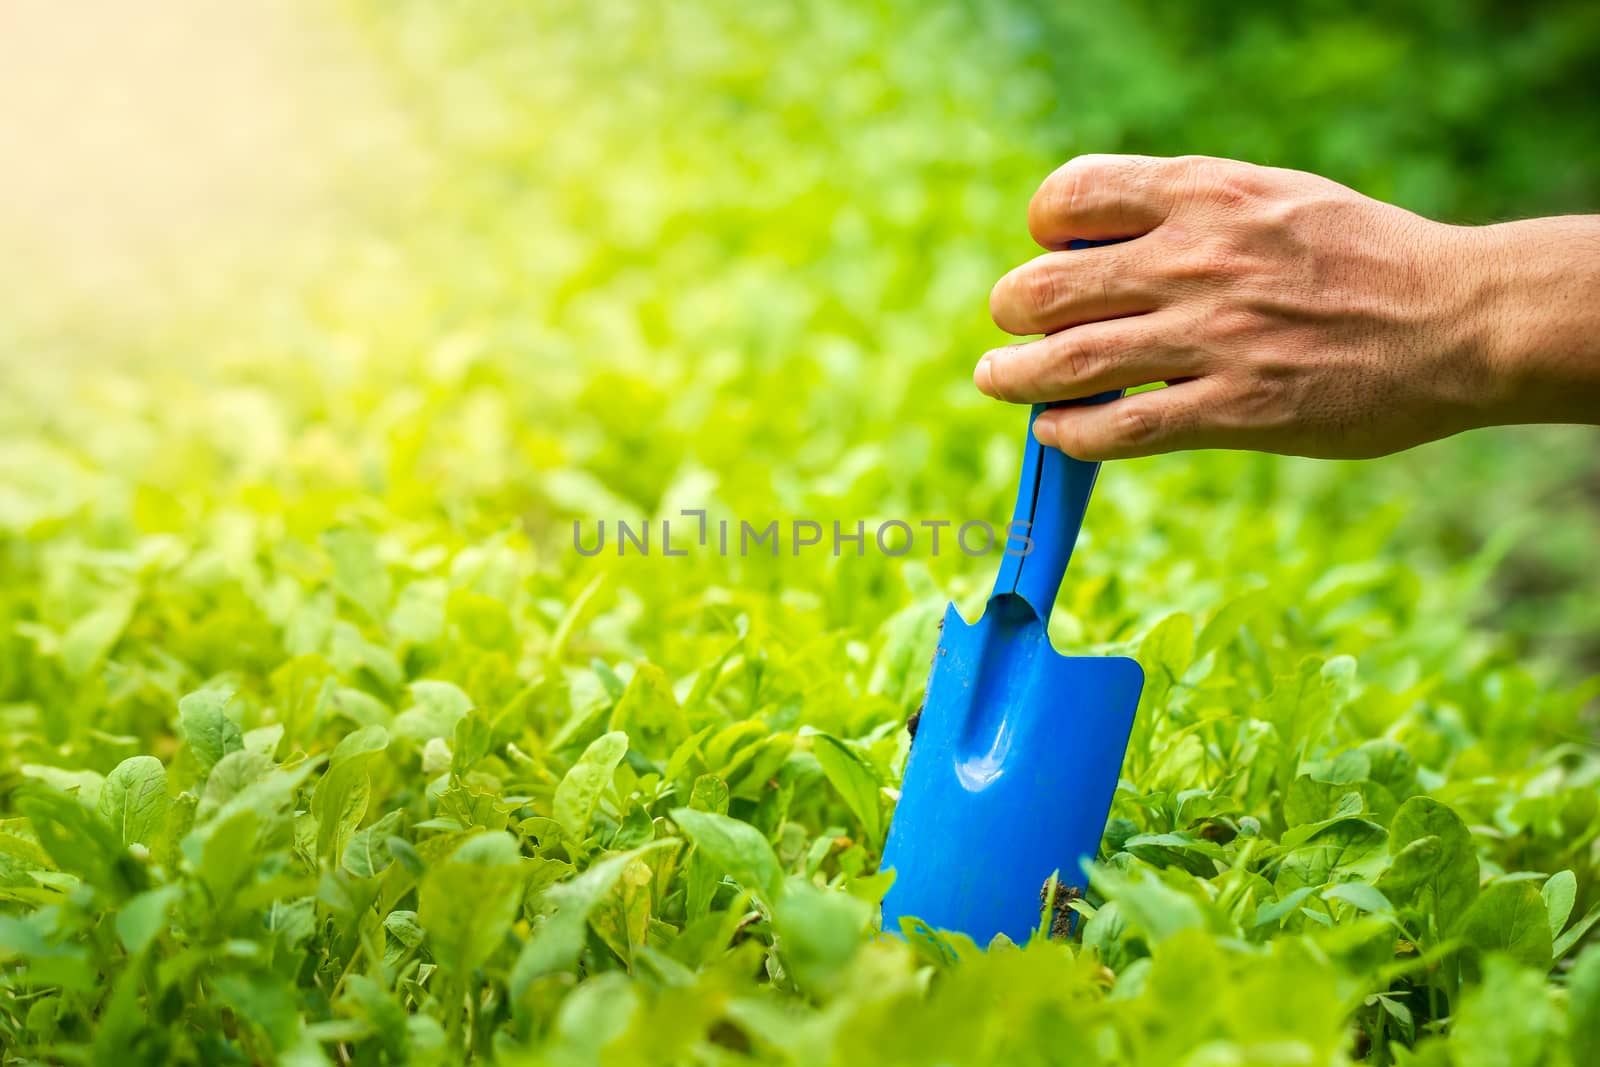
{"points": [[1045, 431], [983, 376]]}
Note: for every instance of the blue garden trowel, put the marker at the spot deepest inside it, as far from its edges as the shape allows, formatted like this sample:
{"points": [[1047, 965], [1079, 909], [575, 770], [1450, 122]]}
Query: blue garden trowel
{"points": [[1017, 748]]}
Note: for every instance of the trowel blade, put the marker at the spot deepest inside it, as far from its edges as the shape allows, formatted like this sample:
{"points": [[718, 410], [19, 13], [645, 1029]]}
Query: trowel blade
{"points": [[1011, 774]]}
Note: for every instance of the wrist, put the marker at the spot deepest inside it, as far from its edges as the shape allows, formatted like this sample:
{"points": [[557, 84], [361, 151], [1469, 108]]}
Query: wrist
{"points": [[1538, 321]]}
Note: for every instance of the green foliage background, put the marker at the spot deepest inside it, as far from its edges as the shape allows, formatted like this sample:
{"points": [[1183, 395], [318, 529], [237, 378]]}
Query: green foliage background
{"points": [[321, 744]]}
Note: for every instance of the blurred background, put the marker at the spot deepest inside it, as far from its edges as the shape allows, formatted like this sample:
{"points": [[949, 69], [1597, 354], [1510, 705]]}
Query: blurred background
{"points": [[459, 274]]}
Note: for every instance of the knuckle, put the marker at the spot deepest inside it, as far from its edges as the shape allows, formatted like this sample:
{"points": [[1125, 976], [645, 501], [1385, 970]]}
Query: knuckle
{"points": [[1084, 171], [1194, 171], [1083, 177], [1040, 290], [1229, 321], [1077, 359], [1234, 187], [1136, 425], [1261, 402], [1205, 259], [1281, 215], [1257, 403], [1222, 183], [1060, 197]]}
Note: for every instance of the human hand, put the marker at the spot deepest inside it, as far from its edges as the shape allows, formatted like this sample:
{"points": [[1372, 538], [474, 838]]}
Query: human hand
{"points": [[1286, 313]]}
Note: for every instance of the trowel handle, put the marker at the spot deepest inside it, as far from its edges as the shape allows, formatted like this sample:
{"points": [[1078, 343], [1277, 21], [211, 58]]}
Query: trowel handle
{"points": [[1052, 496]]}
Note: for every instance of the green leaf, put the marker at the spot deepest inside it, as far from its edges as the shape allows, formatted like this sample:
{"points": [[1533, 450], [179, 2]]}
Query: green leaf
{"points": [[1507, 1020], [482, 620], [206, 728], [597, 1013], [439, 707], [90, 638], [467, 903], [181, 815], [1510, 917], [382, 1011], [1165, 654], [1316, 800], [86, 785], [470, 744], [580, 789], [900, 671], [228, 855], [264, 1000], [819, 931], [557, 942], [855, 781], [368, 853], [648, 712], [271, 798], [734, 848], [635, 828], [403, 927], [120, 1022], [264, 739], [1147, 903], [1344, 848], [134, 800], [233, 774], [1583, 1007], [80, 842], [1433, 869], [1360, 896], [1274, 911], [1225, 625], [143, 917], [709, 793], [1391, 766], [581, 606], [1560, 893], [358, 575], [1180, 848], [339, 802], [1575, 933], [28, 939]]}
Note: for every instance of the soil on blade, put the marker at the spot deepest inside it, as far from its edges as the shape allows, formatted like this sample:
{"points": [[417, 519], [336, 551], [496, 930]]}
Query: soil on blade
{"points": [[1061, 913]]}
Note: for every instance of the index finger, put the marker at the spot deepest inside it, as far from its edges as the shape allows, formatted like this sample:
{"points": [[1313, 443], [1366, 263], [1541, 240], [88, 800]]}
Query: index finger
{"points": [[1097, 197]]}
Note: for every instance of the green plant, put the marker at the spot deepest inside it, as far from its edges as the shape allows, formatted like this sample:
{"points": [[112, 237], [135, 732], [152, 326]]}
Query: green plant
{"points": [[321, 743]]}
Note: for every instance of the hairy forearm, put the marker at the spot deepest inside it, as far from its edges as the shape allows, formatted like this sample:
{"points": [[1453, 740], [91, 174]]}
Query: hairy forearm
{"points": [[1542, 318]]}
